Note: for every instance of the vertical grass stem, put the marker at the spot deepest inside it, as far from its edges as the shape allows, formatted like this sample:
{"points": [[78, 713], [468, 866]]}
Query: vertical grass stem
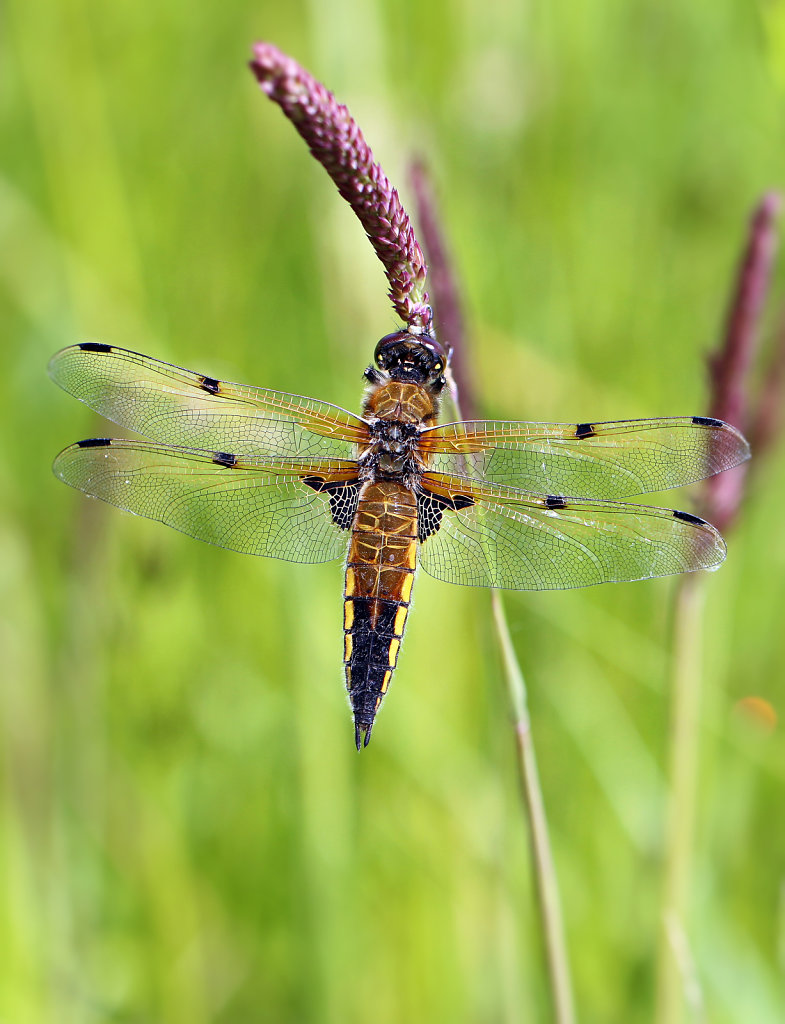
{"points": [[544, 869], [675, 986]]}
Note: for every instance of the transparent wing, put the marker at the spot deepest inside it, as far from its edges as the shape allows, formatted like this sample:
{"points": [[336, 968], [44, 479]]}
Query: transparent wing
{"points": [[171, 405], [497, 537], [590, 460], [240, 504]]}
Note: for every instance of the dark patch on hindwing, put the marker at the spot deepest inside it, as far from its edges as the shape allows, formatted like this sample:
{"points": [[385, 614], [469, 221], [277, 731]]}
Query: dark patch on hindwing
{"points": [[94, 346], [430, 509], [210, 384], [584, 430], [343, 498]]}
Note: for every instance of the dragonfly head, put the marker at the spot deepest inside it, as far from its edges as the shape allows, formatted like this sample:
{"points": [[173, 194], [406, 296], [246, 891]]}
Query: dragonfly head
{"points": [[416, 358]]}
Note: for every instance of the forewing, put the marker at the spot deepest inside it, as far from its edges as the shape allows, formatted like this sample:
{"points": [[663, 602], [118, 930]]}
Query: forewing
{"points": [[588, 460], [170, 405], [236, 503], [504, 538]]}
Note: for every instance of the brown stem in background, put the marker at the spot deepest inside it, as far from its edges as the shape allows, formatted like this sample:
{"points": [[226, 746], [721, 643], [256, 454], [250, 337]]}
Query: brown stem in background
{"points": [[729, 367], [335, 140], [766, 423], [546, 883], [446, 301]]}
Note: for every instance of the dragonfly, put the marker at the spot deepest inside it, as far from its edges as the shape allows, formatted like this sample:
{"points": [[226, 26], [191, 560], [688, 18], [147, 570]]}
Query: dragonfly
{"points": [[487, 503]]}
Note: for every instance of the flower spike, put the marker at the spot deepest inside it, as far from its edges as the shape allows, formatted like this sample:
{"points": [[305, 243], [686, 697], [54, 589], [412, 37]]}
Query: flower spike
{"points": [[335, 140]]}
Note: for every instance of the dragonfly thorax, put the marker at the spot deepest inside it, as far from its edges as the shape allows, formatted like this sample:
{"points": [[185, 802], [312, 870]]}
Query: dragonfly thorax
{"points": [[401, 402], [392, 452]]}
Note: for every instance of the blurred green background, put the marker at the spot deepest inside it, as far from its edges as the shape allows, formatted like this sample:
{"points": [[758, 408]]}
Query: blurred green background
{"points": [[187, 833]]}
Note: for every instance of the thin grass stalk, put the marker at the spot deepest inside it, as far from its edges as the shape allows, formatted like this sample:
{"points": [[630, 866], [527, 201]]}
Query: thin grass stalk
{"points": [[449, 314], [675, 985], [546, 881]]}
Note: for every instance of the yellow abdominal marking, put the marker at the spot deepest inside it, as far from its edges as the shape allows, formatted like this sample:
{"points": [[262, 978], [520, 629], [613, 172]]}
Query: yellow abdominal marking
{"points": [[348, 614], [400, 619]]}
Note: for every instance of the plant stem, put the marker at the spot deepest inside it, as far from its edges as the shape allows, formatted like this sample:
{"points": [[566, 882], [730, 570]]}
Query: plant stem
{"points": [[675, 984], [544, 869]]}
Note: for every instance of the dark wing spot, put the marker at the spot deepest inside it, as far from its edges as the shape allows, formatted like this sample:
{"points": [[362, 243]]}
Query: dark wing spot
{"points": [[461, 501], [707, 421], [343, 498], [94, 346], [688, 517], [430, 509], [343, 503], [225, 459], [318, 483], [210, 384], [95, 442], [584, 430], [555, 501]]}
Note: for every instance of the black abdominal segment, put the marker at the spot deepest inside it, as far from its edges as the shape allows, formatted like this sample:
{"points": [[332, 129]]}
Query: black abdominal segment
{"points": [[371, 641]]}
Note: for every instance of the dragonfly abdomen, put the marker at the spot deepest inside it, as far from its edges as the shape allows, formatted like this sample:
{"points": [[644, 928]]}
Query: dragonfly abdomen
{"points": [[379, 578]]}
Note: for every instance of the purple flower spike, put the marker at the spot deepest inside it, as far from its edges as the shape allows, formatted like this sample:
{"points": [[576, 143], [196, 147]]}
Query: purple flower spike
{"points": [[336, 141], [729, 367]]}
